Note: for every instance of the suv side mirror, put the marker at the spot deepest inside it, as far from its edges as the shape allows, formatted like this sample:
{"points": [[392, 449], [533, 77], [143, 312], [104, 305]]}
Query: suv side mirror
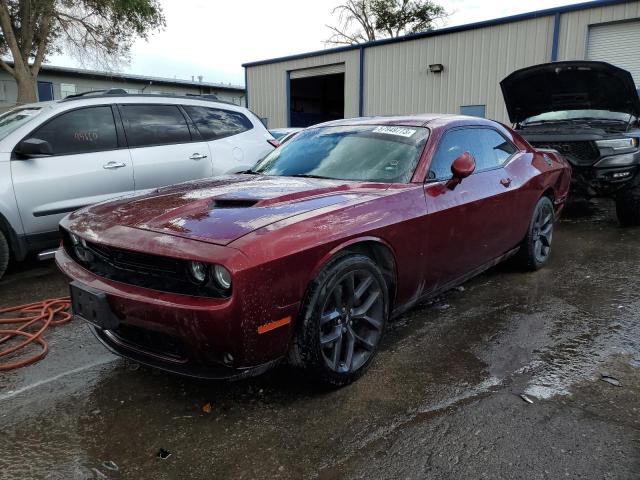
{"points": [[461, 168], [34, 147]]}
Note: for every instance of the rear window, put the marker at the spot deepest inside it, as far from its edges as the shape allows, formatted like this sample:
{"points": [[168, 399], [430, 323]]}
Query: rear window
{"points": [[148, 125], [376, 153], [215, 123]]}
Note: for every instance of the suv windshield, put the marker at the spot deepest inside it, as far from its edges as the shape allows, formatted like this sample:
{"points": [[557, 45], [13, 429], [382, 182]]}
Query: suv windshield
{"points": [[13, 119], [371, 153], [561, 115]]}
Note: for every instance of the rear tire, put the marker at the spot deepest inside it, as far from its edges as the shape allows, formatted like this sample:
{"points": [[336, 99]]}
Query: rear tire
{"points": [[341, 321], [536, 248], [628, 207], [4, 254]]}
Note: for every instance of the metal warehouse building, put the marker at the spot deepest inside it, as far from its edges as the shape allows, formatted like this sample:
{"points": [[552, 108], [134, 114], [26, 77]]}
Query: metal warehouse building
{"points": [[452, 70]]}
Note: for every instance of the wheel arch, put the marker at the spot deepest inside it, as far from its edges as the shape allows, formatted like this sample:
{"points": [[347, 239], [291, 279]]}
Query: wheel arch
{"points": [[373, 247], [16, 247]]}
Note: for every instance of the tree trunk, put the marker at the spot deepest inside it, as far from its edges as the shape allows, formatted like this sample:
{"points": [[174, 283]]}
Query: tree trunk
{"points": [[26, 87]]}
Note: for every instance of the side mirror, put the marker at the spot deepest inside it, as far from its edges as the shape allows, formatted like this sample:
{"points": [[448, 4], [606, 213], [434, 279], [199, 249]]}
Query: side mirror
{"points": [[34, 147], [461, 168]]}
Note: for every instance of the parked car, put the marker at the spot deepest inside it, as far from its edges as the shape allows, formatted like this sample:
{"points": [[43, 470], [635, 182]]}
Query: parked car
{"points": [[59, 156], [588, 111], [283, 135], [310, 254]]}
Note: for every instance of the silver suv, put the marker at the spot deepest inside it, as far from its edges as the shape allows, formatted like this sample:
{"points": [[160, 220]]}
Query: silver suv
{"points": [[56, 157]]}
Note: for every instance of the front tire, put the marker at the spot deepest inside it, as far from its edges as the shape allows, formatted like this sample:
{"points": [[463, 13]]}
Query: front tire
{"points": [[4, 254], [536, 247], [628, 207], [342, 320]]}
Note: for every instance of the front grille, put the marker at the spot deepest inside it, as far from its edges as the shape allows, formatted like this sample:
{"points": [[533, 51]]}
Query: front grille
{"points": [[582, 153], [140, 269]]}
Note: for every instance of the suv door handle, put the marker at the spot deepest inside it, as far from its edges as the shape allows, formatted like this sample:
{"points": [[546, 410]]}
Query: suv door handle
{"points": [[112, 165], [197, 156], [506, 182]]}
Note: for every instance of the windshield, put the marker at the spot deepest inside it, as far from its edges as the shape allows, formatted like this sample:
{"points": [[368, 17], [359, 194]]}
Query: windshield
{"points": [[371, 153], [13, 119], [578, 115]]}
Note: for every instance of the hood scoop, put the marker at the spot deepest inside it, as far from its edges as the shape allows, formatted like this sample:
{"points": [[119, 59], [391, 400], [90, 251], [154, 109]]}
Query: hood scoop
{"points": [[232, 203]]}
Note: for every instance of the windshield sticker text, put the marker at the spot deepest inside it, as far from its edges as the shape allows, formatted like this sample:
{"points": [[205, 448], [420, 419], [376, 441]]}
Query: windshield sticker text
{"points": [[399, 131]]}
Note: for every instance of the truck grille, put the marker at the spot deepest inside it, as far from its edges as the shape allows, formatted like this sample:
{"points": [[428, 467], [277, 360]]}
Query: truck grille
{"points": [[581, 153]]}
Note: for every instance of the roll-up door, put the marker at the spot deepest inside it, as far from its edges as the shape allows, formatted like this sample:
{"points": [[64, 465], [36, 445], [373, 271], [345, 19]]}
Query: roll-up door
{"points": [[618, 44]]}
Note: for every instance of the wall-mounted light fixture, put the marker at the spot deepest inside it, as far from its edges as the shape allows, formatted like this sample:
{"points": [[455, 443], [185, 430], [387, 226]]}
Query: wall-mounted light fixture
{"points": [[436, 68]]}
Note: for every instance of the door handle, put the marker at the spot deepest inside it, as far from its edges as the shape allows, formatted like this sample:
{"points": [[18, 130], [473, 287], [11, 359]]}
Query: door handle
{"points": [[112, 165], [197, 156], [506, 182]]}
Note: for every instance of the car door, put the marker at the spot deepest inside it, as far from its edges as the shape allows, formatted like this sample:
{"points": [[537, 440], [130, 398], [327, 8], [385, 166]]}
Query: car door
{"points": [[468, 225], [89, 163], [164, 148], [235, 143]]}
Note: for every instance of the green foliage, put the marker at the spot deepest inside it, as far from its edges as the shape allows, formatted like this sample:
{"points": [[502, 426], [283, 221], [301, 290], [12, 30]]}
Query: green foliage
{"points": [[366, 20]]}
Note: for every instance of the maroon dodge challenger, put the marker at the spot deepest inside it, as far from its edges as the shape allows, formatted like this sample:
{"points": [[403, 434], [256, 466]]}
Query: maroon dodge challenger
{"points": [[310, 253]]}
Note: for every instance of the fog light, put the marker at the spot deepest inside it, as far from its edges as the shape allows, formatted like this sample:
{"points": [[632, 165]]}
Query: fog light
{"points": [[198, 272], [222, 276]]}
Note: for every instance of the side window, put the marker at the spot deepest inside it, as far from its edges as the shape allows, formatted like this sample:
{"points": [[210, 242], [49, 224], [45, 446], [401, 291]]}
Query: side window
{"points": [[147, 125], [488, 147], [214, 123], [80, 131], [496, 149], [453, 144]]}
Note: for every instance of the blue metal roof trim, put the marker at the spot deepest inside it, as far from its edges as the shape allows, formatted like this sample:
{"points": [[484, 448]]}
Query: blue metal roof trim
{"points": [[442, 31]]}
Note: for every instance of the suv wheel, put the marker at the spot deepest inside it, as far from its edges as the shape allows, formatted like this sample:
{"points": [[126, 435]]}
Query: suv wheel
{"points": [[4, 254], [628, 207], [536, 247], [342, 320]]}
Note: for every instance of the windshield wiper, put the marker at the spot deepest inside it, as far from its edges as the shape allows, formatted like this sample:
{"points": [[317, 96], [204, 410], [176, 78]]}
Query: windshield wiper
{"points": [[309, 175]]}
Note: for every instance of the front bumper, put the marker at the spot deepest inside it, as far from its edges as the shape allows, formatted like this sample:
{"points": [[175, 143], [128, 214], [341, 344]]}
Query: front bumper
{"points": [[602, 181], [194, 336]]}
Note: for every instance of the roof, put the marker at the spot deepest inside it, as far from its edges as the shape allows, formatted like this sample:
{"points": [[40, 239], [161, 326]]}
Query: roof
{"points": [[125, 77], [415, 120], [446, 30]]}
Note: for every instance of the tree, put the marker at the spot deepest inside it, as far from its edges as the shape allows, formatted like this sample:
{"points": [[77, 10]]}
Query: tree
{"points": [[96, 31], [375, 19]]}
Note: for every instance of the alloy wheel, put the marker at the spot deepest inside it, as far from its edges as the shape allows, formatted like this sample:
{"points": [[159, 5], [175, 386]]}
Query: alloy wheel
{"points": [[352, 321], [543, 232]]}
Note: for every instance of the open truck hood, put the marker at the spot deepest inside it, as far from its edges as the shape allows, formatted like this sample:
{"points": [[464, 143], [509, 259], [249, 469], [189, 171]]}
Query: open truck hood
{"points": [[222, 209], [574, 85]]}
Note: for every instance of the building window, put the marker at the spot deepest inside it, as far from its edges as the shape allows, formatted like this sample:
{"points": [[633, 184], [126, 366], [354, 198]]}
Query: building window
{"points": [[473, 110], [67, 89]]}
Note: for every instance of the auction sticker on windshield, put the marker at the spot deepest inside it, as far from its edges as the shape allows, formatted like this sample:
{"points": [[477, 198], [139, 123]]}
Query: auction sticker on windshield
{"points": [[400, 131]]}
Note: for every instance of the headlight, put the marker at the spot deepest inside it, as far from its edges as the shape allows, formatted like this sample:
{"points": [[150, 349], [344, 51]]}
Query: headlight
{"points": [[222, 276], [198, 272], [619, 144]]}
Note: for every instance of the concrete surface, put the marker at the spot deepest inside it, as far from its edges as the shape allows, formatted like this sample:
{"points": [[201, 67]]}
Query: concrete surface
{"points": [[441, 401]]}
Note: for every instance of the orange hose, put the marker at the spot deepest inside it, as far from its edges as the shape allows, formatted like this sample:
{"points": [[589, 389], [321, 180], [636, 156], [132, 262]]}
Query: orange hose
{"points": [[33, 320]]}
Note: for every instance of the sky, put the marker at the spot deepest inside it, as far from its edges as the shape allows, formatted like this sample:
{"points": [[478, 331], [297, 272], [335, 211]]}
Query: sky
{"points": [[213, 38]]}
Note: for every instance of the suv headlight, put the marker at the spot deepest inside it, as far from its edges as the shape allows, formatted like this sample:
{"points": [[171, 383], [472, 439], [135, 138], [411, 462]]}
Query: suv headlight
{"points": [[619, 145]]}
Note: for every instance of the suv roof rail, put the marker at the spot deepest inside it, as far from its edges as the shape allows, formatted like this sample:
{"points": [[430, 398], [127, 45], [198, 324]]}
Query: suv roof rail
{"points": [[119, 92], [109, 91]]}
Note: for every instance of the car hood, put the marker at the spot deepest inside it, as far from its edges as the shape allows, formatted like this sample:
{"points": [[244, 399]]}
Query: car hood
{"points": [[574, 85], [223, 209]]}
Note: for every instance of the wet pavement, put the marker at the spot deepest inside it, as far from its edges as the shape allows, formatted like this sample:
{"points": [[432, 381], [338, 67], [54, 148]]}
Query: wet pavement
{"points": [[441, 401]]}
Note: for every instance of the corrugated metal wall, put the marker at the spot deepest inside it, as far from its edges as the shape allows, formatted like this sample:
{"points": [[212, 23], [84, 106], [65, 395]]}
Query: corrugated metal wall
{"points": [[268, 91], [574, 27], [396, 76]]}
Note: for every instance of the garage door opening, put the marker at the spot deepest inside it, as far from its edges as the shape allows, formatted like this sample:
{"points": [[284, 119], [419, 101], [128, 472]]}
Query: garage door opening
{"points": [[315, 99]]}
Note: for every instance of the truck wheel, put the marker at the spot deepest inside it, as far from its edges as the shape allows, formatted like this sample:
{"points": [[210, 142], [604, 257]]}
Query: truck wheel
{"points": [[341, 321], [4, 254], [536, 248], [628, 207]]}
